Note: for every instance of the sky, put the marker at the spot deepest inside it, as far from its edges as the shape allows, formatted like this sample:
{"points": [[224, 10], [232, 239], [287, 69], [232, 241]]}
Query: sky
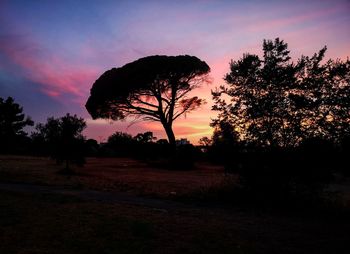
{"points": [[51, 52]]}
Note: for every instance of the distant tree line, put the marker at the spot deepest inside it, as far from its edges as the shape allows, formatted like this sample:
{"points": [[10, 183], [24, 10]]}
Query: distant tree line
{"points": [[146, 147], [61, 139]]}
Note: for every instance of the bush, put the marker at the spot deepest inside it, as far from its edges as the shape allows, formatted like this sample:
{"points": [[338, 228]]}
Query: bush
{"points": [[278, 173], [185, 157]]}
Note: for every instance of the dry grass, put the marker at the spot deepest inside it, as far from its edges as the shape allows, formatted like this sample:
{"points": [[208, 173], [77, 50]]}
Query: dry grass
{"points": [[119, 174]]}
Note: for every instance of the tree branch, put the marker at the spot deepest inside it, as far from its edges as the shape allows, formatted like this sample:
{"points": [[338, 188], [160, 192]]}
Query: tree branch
{"points": [[145, 103]]}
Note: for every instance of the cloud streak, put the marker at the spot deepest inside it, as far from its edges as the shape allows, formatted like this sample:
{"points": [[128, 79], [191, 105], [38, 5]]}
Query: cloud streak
{"points": [[57, 76]]}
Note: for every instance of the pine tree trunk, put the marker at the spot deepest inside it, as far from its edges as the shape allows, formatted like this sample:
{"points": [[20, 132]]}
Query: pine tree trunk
{"points": [[170, 134]]}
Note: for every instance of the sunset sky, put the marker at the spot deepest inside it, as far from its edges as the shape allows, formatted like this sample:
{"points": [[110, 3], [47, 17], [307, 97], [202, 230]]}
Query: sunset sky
{"points": [[51, 52]]}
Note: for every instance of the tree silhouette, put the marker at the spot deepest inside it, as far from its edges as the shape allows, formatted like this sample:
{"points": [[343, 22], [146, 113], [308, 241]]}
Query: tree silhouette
{"points": [[323, 98], [12, 122], [205, 141], [154, 88], [64, 138], [121, 144], [224, 135], [120, 139], [224, 145], [146, 137], [274, 102], [91, 147]]}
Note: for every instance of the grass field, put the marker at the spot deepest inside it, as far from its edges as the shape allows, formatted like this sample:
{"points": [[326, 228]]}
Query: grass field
{"points": [[121, 174], [56, 223]]}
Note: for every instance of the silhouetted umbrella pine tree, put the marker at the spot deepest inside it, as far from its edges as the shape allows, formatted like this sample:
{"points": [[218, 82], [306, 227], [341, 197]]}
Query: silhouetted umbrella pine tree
{"points": [[153, 88]]}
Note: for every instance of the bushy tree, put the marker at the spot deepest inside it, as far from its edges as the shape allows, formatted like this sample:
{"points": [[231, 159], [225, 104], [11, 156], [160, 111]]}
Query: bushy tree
{"points": [[140, 146], [12, 122], [92, 147], [289, 117], [64, 139], [224, 146], [146, 137], [322, 97], [224, 135], [273, 102], [120, 144], [120, 139]]}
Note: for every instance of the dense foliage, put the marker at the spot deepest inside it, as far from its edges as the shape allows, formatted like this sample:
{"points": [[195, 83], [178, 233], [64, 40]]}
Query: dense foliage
{"points": [[272, 101], [283, 126], [63, 138]]}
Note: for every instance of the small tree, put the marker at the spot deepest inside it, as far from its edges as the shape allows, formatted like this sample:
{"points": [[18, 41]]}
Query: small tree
{"points": [[92, 147], [121, 144], [12, 122], [120, 139], [64, 138], [146, 137], [154, 88], [224, 145]]}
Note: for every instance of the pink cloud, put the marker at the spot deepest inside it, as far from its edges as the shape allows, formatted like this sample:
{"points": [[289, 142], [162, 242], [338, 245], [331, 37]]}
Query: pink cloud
{"points": [[56, 75]]}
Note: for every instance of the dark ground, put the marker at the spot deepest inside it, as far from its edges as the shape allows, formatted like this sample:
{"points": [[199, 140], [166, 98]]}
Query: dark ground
{"points": [[56, 214]]}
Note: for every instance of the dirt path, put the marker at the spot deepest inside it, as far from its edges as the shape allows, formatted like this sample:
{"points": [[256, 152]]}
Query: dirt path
{"points": [[99, 196]]}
